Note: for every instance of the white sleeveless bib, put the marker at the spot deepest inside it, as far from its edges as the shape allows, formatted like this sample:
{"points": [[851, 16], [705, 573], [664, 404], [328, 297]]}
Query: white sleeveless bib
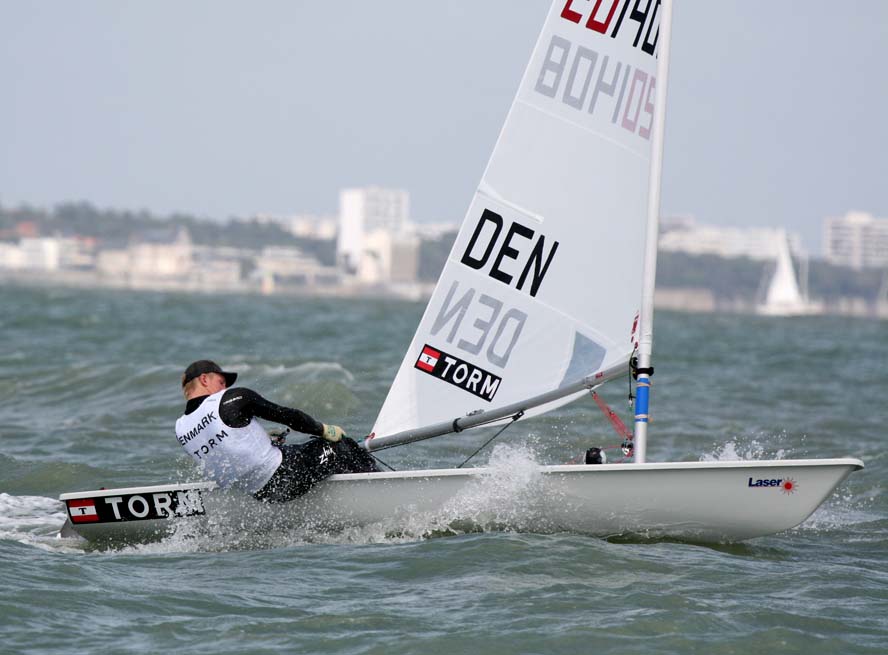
{"points": [[232, 457]]}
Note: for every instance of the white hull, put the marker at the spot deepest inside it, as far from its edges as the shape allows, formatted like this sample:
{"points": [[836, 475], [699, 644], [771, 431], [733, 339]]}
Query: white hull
{"points": [[702, 501], [802, 308]]}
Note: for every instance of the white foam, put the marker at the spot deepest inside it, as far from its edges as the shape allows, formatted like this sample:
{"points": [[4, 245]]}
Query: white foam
{"points": [[503, 498], [843, 509], [35, 521], [505, 494], [317, 371], [305, 372], [745, 450]]}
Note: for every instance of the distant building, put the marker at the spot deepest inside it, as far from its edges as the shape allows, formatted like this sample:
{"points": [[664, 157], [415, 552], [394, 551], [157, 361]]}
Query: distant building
{"points": [[27, 229], [11, 256], [78, 253], [856, 239], [684, 234], [41, 253], [365, 210], [49, 254], [389, 258], [162, 253], [113, 264], [215, 268], [432, 231], [309, 226], [281, 268]]}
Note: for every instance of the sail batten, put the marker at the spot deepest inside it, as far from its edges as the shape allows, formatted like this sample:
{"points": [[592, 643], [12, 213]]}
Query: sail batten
{"points": [[518, 312], [580, 126]]}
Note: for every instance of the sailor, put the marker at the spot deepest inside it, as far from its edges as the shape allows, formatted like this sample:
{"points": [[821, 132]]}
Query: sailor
{"points": [[220, 432]]}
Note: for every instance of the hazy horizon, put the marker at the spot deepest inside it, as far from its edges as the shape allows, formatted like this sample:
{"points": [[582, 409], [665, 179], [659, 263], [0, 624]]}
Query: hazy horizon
{"points": [[218, 109]]}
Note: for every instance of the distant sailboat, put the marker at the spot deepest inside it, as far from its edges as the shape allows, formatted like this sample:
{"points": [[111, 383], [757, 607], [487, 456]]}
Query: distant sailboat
{"points": [[882, 297], [783, 297]]}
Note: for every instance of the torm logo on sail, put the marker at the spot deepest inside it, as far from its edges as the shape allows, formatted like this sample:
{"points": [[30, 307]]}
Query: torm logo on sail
{"points": [[457, 372]]}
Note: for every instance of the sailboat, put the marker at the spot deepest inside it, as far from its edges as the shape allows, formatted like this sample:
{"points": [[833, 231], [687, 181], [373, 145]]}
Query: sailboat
{"points": [[783, 296], [881, 305], [518, 326]]}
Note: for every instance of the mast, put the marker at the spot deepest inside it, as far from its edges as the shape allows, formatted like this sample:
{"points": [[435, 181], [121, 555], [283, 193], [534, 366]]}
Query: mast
{"points": [[803, 275], [646, 318]]}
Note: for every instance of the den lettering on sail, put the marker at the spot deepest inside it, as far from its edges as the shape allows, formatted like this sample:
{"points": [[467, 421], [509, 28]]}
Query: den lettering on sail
{"points": [[480, 324], [514, 246]]}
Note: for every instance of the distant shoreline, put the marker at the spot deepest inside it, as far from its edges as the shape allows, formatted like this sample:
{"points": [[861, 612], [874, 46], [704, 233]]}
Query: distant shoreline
{"points": [[414, 292], [692, 300]]}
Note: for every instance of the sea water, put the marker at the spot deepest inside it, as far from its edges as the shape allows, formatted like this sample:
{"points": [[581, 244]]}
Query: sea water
{"points": [[89, 392]]}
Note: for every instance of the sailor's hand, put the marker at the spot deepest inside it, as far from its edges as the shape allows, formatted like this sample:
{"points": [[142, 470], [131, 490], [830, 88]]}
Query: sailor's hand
{"points": [[278, 436], [332, 433]]}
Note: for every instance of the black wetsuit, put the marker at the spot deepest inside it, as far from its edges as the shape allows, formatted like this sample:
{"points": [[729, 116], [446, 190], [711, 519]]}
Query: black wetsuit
{"points": [[302, 465]]}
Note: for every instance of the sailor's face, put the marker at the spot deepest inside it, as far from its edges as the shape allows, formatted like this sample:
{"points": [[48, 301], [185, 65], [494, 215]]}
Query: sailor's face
{"points": [[214, 382]]}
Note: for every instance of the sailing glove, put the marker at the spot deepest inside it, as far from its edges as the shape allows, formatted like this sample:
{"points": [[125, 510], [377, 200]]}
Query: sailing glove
{"points": [[332, 433], [278, 437]]}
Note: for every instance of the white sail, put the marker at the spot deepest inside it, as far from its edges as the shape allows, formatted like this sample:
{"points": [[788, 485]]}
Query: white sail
{"points": [[783, 297], [784, 288], [544, 282]]}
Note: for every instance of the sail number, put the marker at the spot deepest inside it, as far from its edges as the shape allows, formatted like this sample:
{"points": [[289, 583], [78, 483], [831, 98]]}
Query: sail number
{"points": [[581, 78], [602, 15]]}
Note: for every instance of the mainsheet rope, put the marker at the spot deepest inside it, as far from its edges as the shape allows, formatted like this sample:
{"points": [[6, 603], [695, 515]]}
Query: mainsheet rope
{"points": [[614, 419], [619, 427], [515, 417], [499, 432]]}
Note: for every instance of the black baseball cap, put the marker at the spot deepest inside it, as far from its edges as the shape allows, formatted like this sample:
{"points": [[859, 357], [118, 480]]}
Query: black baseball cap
{"points": [[206, 366]]}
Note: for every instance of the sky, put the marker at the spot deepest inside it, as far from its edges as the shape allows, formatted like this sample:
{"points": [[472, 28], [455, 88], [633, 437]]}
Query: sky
{"points": [[776, 113]]}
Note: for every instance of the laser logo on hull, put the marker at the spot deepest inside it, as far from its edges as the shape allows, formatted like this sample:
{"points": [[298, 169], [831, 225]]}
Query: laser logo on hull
{"points": [[786, 485]]}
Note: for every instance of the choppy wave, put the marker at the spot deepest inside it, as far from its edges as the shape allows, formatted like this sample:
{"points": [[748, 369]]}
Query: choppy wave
{"points": [[90, 382], [34, 521]]}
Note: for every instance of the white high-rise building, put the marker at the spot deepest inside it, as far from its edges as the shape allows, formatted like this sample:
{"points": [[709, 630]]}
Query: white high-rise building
{"points": [[366, 210], [856, 239]]}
